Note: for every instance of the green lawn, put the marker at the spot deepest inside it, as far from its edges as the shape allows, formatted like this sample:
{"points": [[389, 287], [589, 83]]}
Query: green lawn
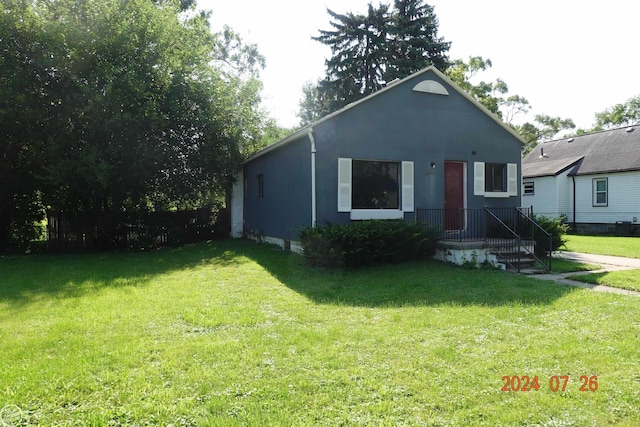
{"points": [[625, 279], [560, 265], [234, 333], [607, 245], [604, 245]]}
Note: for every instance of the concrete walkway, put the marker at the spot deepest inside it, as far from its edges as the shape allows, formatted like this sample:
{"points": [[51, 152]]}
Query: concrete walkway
{"points": [[608, 263]]}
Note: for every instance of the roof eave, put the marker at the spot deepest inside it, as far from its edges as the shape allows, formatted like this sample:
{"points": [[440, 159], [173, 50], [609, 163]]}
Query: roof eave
{"points": [[600, 172], [304, 130]]}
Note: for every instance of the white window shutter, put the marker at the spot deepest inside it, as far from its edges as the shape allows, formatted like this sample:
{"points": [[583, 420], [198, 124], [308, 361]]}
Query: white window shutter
{"points": [[478, 179], [344, 185], [407, 187], [512, 179]]}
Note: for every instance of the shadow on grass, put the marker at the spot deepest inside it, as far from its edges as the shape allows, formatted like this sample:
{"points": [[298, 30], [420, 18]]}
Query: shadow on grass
{"points": [[417, 283], [25, 278]]}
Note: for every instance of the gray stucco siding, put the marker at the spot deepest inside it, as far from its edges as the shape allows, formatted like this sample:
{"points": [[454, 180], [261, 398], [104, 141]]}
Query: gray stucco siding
{"points": [[286, 204], [402, 125], [396, 124]]}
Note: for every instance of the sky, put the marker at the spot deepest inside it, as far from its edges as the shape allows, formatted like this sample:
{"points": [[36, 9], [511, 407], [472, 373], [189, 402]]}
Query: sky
{"points": [[568, 58]]}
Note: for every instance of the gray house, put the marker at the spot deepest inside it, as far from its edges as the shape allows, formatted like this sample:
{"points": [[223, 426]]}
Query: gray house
{"points": [[420, 143], [591, 180]]}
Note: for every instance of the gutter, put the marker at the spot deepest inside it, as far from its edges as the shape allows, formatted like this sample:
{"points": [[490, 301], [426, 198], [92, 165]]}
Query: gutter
{"points": [[313, 177], [573, 178]]}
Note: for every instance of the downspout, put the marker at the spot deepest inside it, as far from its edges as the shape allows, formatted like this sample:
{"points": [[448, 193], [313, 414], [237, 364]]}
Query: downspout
{"points": [[573, 178], [313, 178]]}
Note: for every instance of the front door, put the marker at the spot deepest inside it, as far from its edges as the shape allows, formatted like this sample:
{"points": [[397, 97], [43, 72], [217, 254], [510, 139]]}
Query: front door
{"points": [[454, 196]]}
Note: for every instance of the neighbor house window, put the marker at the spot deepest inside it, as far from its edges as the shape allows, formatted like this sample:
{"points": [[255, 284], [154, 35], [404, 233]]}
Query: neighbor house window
{"points": [[375, 185], [261, 186], [375, 189], [528, 188], [600, 192]]}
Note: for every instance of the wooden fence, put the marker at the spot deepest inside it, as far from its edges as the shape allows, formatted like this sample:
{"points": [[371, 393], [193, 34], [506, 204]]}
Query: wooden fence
{"points": [[101, 231]]}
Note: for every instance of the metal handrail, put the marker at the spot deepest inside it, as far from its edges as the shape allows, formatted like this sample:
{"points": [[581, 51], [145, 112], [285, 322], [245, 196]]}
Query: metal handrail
{"points": [[545, 233], [479, 224], [496, 250]]}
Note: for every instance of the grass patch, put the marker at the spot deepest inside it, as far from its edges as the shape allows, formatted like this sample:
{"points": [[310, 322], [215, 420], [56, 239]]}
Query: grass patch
{"points": [[561, 265], [623, 279], [233, 333], [604, 245]]}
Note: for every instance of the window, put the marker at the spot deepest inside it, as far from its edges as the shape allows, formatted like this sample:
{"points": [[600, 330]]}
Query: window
{"points": [[260, 186], [375, 189], [600, 192], [375, 185], [495, 179], [528, 188], [244, 186]]}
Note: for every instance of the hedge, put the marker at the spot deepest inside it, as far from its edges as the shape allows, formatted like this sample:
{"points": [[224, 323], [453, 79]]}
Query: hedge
{"points": [[363, 243]]}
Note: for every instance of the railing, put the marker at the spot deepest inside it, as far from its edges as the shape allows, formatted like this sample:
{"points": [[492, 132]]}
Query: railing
{"points": [[506, 243], [543, 240], [510, 232]]}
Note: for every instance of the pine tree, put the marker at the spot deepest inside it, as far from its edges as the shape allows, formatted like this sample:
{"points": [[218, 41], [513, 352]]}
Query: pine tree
{"points": [[370, 50], [414, 43], [358, 45]]}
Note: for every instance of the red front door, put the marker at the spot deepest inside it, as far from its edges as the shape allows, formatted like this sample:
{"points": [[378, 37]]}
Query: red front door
{"points": [[454, 195]]}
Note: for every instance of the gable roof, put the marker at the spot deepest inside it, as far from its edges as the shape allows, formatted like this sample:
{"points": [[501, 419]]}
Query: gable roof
{"points": [[614, 150], [309, 128]]}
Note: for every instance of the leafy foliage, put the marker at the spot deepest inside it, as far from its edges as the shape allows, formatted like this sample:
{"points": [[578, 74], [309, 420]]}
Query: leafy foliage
{"points": [[111, 106], [494, 96], [489, 94], [544, 128], [362, 243], [554, 226], [619, 115]]}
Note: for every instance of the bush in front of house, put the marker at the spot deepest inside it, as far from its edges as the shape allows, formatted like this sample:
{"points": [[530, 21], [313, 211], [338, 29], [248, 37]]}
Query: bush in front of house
{"points": [[554, 226], [363, 243]]}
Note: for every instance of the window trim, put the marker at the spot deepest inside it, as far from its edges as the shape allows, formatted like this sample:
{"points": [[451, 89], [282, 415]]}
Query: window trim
{"points": [[405, 190], [479, 184], [594, 193]]}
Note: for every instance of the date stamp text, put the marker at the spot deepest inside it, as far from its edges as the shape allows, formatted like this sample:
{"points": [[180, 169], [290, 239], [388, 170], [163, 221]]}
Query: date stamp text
{"points": [[525, 383]]}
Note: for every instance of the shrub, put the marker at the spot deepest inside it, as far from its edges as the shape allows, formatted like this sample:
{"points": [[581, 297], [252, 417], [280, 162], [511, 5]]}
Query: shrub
{"points": [[362, 243], [554, 226]]}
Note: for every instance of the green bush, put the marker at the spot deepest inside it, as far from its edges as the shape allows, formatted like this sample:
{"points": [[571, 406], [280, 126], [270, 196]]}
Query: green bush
{"points": [[554, 226], [362, 243]]}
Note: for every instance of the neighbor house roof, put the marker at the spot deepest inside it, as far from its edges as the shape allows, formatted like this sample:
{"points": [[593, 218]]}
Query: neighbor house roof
{"points": [[309, 128], [614, 150]]}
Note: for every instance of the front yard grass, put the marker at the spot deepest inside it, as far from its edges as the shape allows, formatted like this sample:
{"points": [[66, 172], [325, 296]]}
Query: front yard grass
{"points": [[560, 265], [233, 334], [604, 245], [624, 279]]}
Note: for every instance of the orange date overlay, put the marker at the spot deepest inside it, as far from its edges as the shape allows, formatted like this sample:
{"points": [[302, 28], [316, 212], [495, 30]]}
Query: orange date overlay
{"points": [[556, 383]]}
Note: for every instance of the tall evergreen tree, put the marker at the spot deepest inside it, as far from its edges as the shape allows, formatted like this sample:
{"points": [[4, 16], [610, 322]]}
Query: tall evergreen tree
{"points": [[358, 46], [414, 42], [369, 50]]}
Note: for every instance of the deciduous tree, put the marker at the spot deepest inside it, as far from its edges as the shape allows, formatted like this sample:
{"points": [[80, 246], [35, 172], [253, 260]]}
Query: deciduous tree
{"points": [[117, 106], [624, 114]]}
